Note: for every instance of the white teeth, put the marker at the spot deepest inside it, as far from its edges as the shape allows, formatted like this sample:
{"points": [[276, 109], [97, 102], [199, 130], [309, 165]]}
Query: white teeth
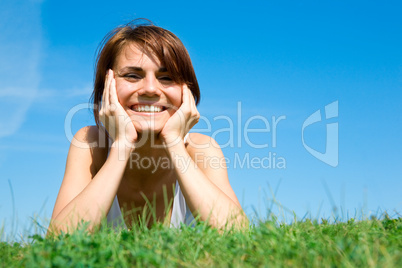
{"points": [[147, 108]]}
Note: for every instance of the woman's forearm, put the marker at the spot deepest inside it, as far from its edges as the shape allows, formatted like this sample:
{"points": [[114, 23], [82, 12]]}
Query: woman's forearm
{"points": [[95, 200], [203, 197]]}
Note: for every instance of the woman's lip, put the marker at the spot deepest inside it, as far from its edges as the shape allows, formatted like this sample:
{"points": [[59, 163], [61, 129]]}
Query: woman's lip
{"points": [[150, 103], [147, 114]]}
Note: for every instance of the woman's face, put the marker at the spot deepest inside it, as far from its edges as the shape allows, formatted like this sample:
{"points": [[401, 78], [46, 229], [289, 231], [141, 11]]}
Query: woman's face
{"points": [[145, 89]]}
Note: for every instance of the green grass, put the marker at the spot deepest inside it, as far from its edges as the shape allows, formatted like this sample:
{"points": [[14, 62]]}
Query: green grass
{"points": [[366, 243]]}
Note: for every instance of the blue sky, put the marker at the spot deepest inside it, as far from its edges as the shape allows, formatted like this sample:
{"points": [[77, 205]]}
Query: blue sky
{"points": [[284, 59]]}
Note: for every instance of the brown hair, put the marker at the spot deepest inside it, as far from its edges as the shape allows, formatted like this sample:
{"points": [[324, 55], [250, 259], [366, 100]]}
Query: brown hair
{"points": [[154, 42]]}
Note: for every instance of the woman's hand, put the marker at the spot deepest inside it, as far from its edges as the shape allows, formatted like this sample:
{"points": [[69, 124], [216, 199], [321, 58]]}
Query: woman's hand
{"points": [[113, 117], [182, 120]]}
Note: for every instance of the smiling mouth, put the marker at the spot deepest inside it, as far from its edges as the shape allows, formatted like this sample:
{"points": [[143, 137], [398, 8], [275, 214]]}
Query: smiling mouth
{"points": [[142, 108]]}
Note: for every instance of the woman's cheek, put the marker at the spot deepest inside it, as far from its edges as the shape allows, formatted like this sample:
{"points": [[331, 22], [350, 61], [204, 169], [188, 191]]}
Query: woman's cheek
{"points": [[123, 91], [178, 97]]}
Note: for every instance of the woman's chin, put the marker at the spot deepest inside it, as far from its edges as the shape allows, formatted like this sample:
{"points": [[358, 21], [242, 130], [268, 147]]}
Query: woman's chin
{"points": [[149, 131], [148, 128], [148, 136], [148, 125]]}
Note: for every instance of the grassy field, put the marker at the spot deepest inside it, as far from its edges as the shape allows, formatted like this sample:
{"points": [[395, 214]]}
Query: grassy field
{"points": [[368, 243]]}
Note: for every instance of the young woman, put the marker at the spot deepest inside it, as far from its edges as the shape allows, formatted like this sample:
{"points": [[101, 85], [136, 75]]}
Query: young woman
{"points": [[145, 96]]}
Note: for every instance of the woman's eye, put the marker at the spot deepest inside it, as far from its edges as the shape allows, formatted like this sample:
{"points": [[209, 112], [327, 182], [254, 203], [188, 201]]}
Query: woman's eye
{"points": [[165, 79], [132, 76]]}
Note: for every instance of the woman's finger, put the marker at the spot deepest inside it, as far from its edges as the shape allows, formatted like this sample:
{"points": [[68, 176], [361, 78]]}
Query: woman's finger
{"points": [[107, 89], [102, 107], [191, 101], [193, 105], [113, 92], [186, 97]]}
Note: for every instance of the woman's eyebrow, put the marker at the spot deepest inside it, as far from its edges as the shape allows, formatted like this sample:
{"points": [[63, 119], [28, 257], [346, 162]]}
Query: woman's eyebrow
{"points": [[131, 68], [139, 69]]}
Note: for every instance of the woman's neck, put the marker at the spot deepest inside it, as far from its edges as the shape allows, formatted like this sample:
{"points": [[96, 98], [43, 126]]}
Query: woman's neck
{"points": [[149, 145], [149, 160]]}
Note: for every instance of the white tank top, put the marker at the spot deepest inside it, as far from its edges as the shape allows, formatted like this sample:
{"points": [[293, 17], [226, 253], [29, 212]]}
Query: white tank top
{"points": [[180, 211]]}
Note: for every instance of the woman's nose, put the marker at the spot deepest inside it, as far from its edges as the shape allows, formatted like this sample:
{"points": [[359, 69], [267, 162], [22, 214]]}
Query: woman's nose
{"points": [[150, 86]]}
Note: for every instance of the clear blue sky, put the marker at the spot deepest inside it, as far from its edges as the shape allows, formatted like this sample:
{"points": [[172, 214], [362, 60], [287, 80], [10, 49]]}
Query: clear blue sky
{"points": [[272, 58]]}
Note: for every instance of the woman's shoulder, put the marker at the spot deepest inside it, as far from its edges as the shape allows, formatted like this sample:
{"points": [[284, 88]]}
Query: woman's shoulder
{"points": [[90, 137], [87, 134], [197, 142], [92, 140], [198, 138]]}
